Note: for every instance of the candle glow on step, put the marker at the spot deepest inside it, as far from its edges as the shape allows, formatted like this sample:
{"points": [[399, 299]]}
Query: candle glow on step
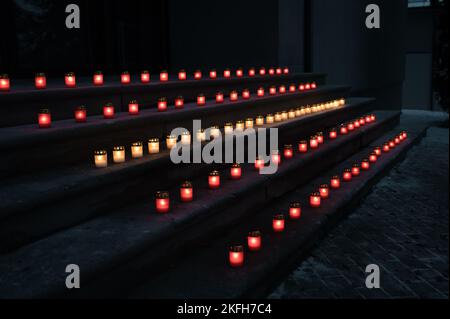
{"points": [[350, 126], [251, 72], [272, 90], [40, 81], [200, 135], [133, 107], [186, 192], [386, 147], [278, 71], [162, 104], [240, 126], [186, 138], [228, 128], [282, 89], [249, 123], [278, 223], [295, 210], [214, 180], [271, 71], [285, 70], [262, 71], [254, 241], [292, 88], [270, 119], [313, 142], [153, 145], [226, 73], [319, 136], [125, 78], [377, 150], [137, 151], [291, 114], [215, 131], [108, 111], [70, 80], [284, 115], [239, 72], [44, 118], [335, 182], [315, 199], [236, 256], [278, 117], [162, 202], [80, 114], [118, 154], [145, 77], [100, 159], [235, 171], [259, 163], [343, 130]]}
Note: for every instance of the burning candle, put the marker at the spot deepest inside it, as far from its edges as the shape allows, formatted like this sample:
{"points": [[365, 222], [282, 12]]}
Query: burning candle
{"points": [[182, 75], [295, 210], [284, 115], [215, 131], [276, 157], [324, 191], [186, 192], [228, 128], [397, 140], [292, 88], [356, 124], [278, 71], [313, 142], [108, 111], [262, 71], [278, 223], [282, 89], [219, 97], [198, 75], [239, 73], [200, 135], [259, 163], [213, 74], [342, 102], [246, 94], [162, 104], [163, 76], [40, 81], [270, 119], [355, 169], [278, 117], [373, 118], [335, 182], [251, 72], [404, 135], [137, 151], [343, 130], [259, 120], [179, 102], [367, 119], [133, 107], [319, 136], [303, 146], [362, 121], [233, 96], [260, 92], [100, 159], [44, 118], [4, 82], [70, 80], [236, 171], [171, 141], [288, 151], [214, 180], [254, 240], [272, 90], [307, 86], [347, 175], [240, 126], [372, 157], [153, 145], [249, 123], [298, 112], [386, 147], [97, 78], [201, 100], [301, 87], [285, 70], [313, 85], [271, 71], [118, 154], [350, 126], [236, 256], [162, 202], [226, 73], [377, 150], [186, 138], [314, 200], [391, 144], [365, 165], [80, 114], [125, 78], [333, 134], [145, 76]]}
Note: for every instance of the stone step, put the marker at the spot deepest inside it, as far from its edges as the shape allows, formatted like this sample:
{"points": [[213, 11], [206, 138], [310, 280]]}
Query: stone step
{"points": [[25, 102], [28, 148], [82, 191], [206, 273], [133, 240]]}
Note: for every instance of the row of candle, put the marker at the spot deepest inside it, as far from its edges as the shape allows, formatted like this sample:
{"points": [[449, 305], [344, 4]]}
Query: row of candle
{"points": [[236, 253], [40, 79], [80, 112]]}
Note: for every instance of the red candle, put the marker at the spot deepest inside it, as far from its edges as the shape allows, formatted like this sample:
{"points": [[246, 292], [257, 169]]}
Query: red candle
{"points": [[70, 80], [108, 111], [162, 104], [40, 81], [233, 96], [301, 87], [307, 86], [198, 75], [386, 147], [333, 134], [343, 130], [404, 134], [350, 126], [373, 118], [303, 146], [254, 241], [272, 90], [313, 143], [219, 97], [355, 170], [282, 89], [335, 182], [163, 76], [324, 191], [278, 223], [391, 144], [356, 124], [145, 76], [262, 71], [319, 136], [286, 71], [292, 88], [259, 163], [260, 92], [125, 78], [368, 119], [246, 94], [179, 102], [214, 180], [44, 118], [288, 151], [400, 137], [372, 157], [377, 150], [201, 100], [295, 210], [278, 71], [251, 72], [276, 157], [362, 121], [236, 171], [236, 256], [365, 165], [162, 202], [314, 199], [313, 85], [271, 71], [97, 78], [213, 74], [239, 73], [4, 82], [80, 114], [182, 75], [347, 175], [133, 107], [186, 192], [226, 73]]}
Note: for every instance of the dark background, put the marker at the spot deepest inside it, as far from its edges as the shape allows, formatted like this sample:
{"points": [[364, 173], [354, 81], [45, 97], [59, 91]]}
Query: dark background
{"points": [[397, 64]]}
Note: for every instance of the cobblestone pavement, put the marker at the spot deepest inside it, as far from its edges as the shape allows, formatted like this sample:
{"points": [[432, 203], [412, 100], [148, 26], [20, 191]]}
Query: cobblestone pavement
{"points": [[402, 226]]}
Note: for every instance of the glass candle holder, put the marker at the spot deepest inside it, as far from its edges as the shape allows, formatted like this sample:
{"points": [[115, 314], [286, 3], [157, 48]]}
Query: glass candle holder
{"points": [[391, 144], [284, 115], [259, 120], [254, 241], [201, 100], [118, 154], [315, 200], [291, 114], [219, 97], [372, 157], [307, 86], [213, 74], [343, 130], [298, 112], [239, 73], [153, 145], [235, 171], [373, 118], [301, 87], [324, 191], [319, 136], [292, 88], [186, 138], [80, 114], [179, 102], [313, 85], [278, 223], [40, 81], [335, 182], [288, 151], [125, 78], [271, 71], [272, 90], [228, 128], [108, 111], [215, 131], [5, 84], [386, 147], [162, 202], [278, 117], [70, 80], [214, 180], [347, 175], [278, 71], [182, 75], [200, 135], [285, 70], [295, 210], [186, 192], [249, 123], [275, 157], [303, 146], [259, 163], [44, 118], [262, 71], [397, 140], [197, 75], [251, 72], [133, 107], [100, 159], [365, 164], [350, 126], [282, 89], [171, 141], [333, 134], [260, 92], [355, 169], [97, 78], [313, 142], [226, 73], [270, 119], [356, 123], [137, 150], [245, 94], [234, 96], [145, 77], [404, 135], [236, 256], [162, 104], [377, 150], [367, 119], [240, 126], [163, 76], [362, 121]]}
